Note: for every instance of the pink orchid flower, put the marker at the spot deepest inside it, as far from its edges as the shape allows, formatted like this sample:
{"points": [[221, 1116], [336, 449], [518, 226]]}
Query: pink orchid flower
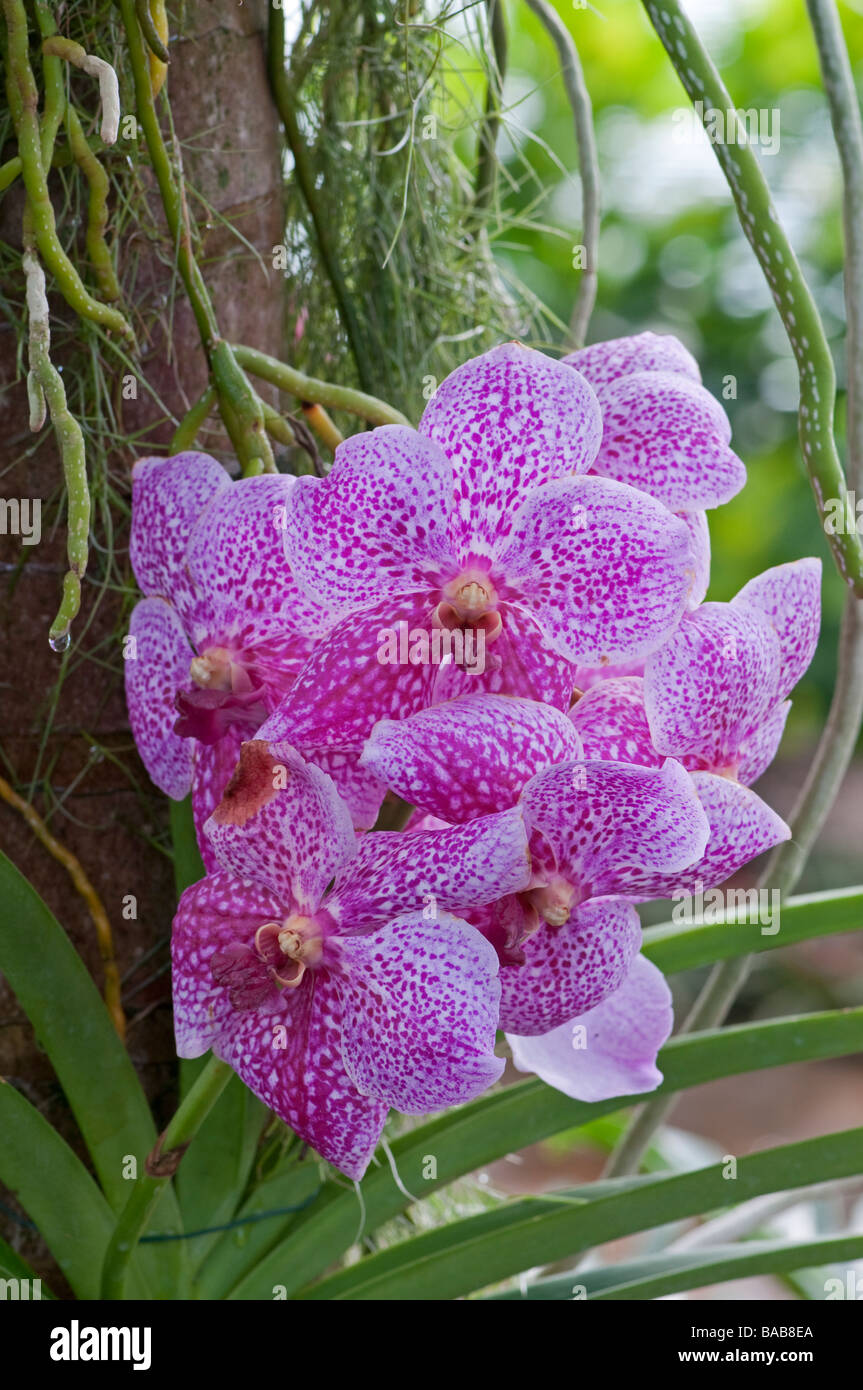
{"points": [[483, 526], [338, 977]]}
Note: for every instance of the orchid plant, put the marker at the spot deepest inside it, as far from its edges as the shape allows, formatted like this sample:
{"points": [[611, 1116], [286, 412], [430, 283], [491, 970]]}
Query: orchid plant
{"points": [[435, 723]]}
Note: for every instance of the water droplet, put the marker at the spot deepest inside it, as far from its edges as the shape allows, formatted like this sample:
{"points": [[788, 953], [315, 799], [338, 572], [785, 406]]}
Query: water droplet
{"points": [[59, 642]]}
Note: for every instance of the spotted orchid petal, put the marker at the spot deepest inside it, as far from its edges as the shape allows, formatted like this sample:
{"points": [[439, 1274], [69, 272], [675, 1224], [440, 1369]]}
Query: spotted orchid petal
{"points": [[168, 497], [376, 525], [359, 673], [235, 560], [282, 823], [157, 664], [666, 435], [611, 721], [605, 569], [597, 826], [470, 756], [508, 421], [285, 1045], [699, 535], [569, 969], [789, 597], [420, 1003], [712, 683], [520, 661], [610, 1050], [759, 748], [605, 362], [449, 870], [742, 826], [214, 766]]}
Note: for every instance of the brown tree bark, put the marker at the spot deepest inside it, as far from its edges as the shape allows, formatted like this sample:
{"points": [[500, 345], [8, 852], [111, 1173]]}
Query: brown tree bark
{"points": [[230, 141]]}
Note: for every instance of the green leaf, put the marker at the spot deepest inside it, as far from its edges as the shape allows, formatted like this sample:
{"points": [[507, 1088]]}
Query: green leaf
{"points": [[674, 947], [56, 1191], [13, 1267], [513, 1117], [658, 1275], [266, 1216], [71, 1023], [188, 865], [213, 1174], [480, 1250]]}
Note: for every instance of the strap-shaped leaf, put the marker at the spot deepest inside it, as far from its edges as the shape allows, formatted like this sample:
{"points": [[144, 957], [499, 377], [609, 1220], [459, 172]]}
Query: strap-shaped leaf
{"points": [[677, 946], [502, 1121], [71, 1023], [658, 1275], [473, 1253], [265, 1217], [13, 1267], [56, 1191]]}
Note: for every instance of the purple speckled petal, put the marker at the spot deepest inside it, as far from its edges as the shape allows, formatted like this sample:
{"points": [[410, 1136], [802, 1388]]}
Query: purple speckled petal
{"points": [[376, 525], [507, 421], [605, 569], [759, 748], [599, 826], [712, 683], [609, 1051], [450, 870], [612, 723], [420, 1006], [168, 497], [159, 667], [741, 827], [281, 822], [586, 677], [789, 597], [235, 560], [602, 363], [359, 788], [287, 1047], [214, 913], [520, 661], [699, 533], [345, 686], [669, 437], [471, 756], [569, 969], [213, 769]]}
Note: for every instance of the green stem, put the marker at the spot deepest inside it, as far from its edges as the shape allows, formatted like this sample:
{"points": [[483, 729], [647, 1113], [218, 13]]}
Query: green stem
{"points": [[282, 96], [23, 104], [486, 168], [588, 163], [148, 29], [97, 207], [187, 431], [777, 260], [161, 1166], [308, 388]]}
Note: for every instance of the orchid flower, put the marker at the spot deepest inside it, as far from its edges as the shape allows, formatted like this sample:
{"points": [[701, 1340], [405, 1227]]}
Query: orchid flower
{"points": [[222, 631], [338, 977], [481, 527]]}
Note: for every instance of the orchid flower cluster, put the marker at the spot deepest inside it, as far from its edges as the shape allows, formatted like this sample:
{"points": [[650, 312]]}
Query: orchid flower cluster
{"points": [[493, 630]]}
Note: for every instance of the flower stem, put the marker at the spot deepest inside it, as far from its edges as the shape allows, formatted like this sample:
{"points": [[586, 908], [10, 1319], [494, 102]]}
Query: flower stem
{"points": [[160, 1167], [790, 291], [588, 163], [309, 389]]}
